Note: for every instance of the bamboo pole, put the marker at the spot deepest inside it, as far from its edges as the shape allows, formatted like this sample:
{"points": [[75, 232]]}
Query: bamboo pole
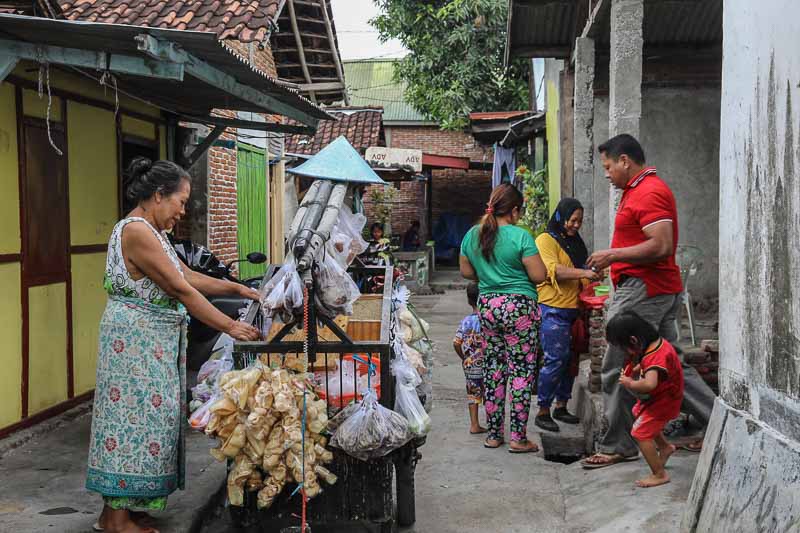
{"points": [[323, 230], [311, 219], [311, 195]]}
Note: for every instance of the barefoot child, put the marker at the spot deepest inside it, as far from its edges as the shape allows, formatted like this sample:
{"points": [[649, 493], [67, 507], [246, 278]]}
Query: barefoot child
{"points": [[469, 345], [654, 375]]}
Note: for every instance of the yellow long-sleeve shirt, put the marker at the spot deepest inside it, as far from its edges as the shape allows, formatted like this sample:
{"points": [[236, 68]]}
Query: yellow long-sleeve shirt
{"points": [[554, 293]]}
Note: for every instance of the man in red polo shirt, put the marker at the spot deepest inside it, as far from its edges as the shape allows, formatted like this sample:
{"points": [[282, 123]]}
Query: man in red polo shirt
{"points": [[646, 280]]}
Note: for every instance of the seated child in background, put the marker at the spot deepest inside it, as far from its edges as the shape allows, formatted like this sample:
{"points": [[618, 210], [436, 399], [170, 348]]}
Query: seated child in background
{"points": [[469, 344], [654, 375]]}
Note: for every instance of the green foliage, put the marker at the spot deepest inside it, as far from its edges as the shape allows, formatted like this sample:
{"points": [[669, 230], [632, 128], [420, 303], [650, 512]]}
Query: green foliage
{"points": [[455, 65], [383, 199], [534, 188]]}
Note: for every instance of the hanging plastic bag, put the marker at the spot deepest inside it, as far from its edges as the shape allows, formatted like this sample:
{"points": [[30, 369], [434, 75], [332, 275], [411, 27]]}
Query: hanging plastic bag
{"points": [[372, 430], [336, 289], [201, 416], [406, 400], [284, 292], [351, 225], [425, 388]]}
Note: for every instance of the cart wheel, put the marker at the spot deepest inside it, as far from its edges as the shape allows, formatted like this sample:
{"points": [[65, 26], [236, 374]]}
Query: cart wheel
{"points": [[406, 503]]}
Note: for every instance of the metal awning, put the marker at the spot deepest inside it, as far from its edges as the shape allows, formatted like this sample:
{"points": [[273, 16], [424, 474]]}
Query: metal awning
{"points": [[548, 28], [186, 72]]}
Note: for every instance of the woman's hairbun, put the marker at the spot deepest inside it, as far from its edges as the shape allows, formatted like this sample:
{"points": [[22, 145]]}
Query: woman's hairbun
{"points": [[147, 178], [138, 166]]}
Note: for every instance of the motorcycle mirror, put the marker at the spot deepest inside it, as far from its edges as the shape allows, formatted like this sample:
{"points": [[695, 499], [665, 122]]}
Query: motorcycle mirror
{"points": [[256, 258]]}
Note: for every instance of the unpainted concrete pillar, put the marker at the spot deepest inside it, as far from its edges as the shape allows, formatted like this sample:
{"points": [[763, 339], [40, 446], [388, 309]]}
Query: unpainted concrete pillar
{"points": [[583, 150], [625, 76]]}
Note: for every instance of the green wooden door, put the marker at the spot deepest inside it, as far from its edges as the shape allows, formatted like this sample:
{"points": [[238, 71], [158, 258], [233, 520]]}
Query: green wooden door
{"points": [[252, 201]]}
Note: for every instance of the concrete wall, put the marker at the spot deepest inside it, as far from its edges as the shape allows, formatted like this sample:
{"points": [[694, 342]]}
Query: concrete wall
{"points": [[752, 483], [680, 136]]}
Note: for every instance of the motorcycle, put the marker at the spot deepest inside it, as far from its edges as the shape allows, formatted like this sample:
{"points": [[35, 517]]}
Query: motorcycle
{"points": [[202, 338]]}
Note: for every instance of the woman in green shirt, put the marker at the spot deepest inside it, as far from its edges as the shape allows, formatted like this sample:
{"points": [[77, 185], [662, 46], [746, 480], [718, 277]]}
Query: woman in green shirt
{"points": [[505, 262]]}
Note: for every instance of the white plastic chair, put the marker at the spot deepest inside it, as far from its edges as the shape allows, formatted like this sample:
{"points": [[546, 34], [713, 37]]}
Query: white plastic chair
{"points": [[689, 259]]}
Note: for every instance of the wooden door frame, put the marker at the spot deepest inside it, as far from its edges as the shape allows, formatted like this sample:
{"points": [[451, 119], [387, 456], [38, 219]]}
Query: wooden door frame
{"points": [[27, 281]]}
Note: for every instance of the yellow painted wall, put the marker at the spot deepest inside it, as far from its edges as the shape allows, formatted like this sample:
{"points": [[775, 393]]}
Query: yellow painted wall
{"points": [[162, 136], [140, 128], [33, 106], [9, 173], [93, 181], [84, 86], [48, 346], [88, 303], [553, 140], [11, 335]]}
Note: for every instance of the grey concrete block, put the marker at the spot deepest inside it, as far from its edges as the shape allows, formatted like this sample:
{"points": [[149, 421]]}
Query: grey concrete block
{"points": [[748, 481]]}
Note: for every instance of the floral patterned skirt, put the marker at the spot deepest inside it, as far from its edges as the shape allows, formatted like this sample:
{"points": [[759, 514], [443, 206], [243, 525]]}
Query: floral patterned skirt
{"points": [[136, 446]]}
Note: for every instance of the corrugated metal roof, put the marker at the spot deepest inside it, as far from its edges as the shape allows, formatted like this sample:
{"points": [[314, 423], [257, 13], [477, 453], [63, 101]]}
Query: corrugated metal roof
{"points": [[695, 23], [192, 96], [540, 28], [544, 28], [370, 82]]}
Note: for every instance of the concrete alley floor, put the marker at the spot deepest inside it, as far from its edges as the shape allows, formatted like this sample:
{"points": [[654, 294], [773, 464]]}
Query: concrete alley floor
{"points": [[460, 486], [464, 487]]}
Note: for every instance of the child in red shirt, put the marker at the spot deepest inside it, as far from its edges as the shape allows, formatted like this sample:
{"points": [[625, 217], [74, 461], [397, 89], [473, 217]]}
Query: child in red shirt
{"points": [[654, 375]]}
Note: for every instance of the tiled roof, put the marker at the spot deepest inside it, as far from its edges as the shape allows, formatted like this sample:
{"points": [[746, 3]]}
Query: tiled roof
{"points": [[243, 20], [496, 115], [370, 82], [362, 127]]}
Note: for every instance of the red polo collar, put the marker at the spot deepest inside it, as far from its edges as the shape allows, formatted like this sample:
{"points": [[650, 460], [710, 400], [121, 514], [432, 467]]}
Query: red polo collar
{"points": [[637, 179]]}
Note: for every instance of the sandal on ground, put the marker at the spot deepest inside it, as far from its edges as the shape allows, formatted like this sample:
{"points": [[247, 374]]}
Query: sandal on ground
{"points": [[492, 446], [546, 422], [694, 447], [479, 432], [528, 447], [608, 460], [562, 415]]}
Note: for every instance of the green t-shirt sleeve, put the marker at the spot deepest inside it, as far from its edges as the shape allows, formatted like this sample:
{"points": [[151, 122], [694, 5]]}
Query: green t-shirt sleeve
{"points": [[528, 245], [468, 244]]}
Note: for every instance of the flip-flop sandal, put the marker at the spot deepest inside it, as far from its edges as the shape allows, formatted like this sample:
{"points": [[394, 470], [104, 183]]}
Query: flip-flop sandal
{"points": [[96, 527], [532, 449], [481, 432], [487, 445], [614, 459], [690, 448]]}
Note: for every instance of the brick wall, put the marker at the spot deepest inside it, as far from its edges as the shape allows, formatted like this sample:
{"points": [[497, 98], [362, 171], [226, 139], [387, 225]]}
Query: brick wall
{"points": [[705, 360], [432, 140], [463, 192], [408, 206]]}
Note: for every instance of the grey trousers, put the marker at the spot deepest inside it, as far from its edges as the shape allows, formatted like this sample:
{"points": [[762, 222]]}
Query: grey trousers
{"points": [[660, 311]]}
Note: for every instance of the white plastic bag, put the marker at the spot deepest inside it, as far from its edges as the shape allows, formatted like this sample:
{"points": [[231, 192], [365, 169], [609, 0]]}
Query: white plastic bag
{"points": [[352, 225], [371, 431], [201, 416], [219, 362], [336, 289], [406, 400], [284, 292]]}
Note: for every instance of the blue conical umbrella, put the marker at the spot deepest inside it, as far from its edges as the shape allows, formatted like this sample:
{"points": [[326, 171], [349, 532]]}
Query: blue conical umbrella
{"points": [[338, 161]]}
